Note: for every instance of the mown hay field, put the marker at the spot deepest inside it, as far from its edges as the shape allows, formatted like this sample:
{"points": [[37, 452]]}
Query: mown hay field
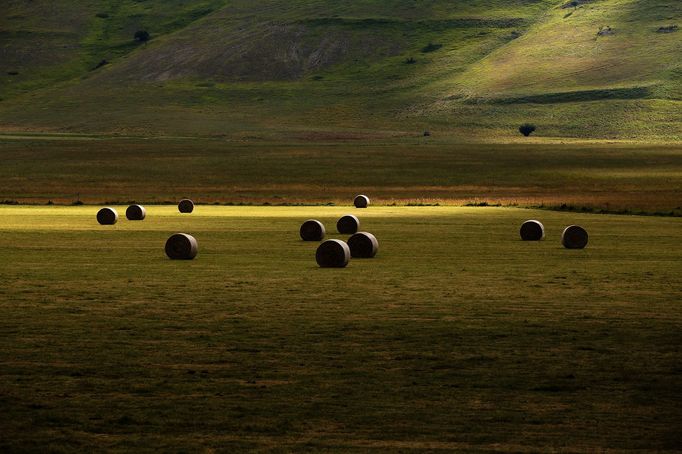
{"points": [[457, 335]]}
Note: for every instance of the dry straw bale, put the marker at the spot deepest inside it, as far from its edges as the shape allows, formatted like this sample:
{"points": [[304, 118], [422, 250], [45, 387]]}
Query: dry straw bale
{"points": [[532, 230], [363, 245], [361, 201], [107, 216], [312, 230], [186, 206], [574, 237], [332, 254], [136, 213], [181, 246], [348, 224]]}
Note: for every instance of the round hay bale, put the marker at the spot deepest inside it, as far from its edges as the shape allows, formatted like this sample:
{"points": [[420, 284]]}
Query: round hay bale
{"points": [[107, 216], [361, 201], [181, 246], [532, 230], [136, 213], [363, 245], [332, 254], [312, 230], [348, 224], [186, 206], [574, 237]]}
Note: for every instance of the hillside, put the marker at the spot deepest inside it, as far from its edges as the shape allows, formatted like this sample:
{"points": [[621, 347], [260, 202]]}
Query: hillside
{"points": [[244, 69]]}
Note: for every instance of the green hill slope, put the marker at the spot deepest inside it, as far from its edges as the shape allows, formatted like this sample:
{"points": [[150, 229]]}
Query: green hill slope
{"points": [[44, 42], [320, 68], [567, 76], [564, 53]]}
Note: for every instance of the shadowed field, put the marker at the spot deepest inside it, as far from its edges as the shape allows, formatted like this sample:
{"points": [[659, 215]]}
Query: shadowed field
{"points": [[601, 176], [457, 336]]}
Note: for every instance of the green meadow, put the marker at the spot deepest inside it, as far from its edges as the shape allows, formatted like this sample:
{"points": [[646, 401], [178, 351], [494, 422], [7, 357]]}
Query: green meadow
{"points": [[457, 336]]}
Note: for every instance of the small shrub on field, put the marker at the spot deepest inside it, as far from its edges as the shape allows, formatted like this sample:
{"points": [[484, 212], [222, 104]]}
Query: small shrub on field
{"points": [[527, 129], [574, 3], [125, 420], [605, 31], [431, 47], [100, 64], [482, 204], [102, 15], [142, 36], [668, 29], [410, 61]]}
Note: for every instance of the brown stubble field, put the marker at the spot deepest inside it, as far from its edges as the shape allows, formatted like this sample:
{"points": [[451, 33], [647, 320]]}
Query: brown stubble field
{"points": [[620, 176]]}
